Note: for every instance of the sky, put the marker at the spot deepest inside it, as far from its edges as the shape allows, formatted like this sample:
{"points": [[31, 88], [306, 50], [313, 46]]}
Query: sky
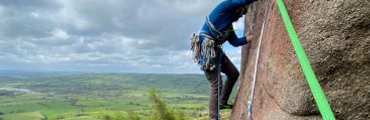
{"points": [[135, 36]]}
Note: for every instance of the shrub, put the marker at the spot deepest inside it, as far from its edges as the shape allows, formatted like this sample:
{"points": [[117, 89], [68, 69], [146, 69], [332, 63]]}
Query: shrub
{"points": [[107, 117], [132, 116], [160, 111]]}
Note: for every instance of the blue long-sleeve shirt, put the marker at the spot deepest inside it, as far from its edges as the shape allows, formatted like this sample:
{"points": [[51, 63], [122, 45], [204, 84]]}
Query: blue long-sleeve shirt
{"points": [[221, 17]]}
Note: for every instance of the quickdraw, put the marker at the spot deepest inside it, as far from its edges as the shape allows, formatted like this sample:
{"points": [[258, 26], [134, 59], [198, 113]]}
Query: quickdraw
{"points": [[204, 53], [195, 47]]}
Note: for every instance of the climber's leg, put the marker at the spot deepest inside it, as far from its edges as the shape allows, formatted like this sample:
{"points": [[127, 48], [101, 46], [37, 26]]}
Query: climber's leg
{"points": [[212, 77], [232, 74]]}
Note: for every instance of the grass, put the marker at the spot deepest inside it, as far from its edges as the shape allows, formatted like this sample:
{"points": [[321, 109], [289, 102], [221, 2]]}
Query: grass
{"points": [[83, 118], [23, 116]]}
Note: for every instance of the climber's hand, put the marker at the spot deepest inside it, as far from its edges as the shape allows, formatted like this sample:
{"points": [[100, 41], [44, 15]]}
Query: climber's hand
{"points": [[250, 38]]}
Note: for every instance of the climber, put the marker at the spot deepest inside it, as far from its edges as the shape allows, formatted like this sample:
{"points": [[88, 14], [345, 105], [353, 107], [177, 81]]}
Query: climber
{"points": [[207, 51]]}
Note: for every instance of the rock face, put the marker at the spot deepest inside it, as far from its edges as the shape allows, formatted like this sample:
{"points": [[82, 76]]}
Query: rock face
{"points": [[335, 35]]}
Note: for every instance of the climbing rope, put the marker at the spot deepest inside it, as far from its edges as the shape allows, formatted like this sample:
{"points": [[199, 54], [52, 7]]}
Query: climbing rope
{"points": [[314, 85], [250, 99], [219, 84]]}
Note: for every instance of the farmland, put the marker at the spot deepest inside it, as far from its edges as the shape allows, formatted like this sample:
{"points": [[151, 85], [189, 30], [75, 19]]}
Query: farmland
{"points": [[90, 96]]}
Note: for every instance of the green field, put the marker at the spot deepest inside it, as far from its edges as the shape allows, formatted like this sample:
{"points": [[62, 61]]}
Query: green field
{"points": [[90, 96]]}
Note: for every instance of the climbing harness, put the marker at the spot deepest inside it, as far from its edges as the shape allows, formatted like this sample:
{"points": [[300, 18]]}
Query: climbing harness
{"points": [[220, 36], [250, 99], [204, 45]]}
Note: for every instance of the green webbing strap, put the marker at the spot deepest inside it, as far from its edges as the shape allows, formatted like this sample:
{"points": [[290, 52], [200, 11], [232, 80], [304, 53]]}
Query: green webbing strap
{"points": [[316, 90]]}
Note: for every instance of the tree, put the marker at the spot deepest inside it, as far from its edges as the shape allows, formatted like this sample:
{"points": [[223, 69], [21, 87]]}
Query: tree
{"points": [[73, 102], [161, 111], [107, 117]]}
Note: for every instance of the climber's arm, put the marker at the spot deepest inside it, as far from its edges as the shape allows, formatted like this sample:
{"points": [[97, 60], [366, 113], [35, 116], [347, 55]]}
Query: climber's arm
{"points": [[235, 41]]}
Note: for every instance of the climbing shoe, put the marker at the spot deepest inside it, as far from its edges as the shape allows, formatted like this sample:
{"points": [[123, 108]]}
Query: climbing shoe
{"points": [[227, 106]]}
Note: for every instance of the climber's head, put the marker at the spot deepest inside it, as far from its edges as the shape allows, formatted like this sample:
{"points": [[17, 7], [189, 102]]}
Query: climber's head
{"points": [[239, 12]]}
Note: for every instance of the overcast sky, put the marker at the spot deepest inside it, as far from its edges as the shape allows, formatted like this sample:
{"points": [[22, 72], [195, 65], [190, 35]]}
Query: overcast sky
{"points": [[147, 36]]}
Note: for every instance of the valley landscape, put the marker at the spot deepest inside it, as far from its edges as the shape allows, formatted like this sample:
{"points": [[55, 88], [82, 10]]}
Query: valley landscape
{"points": [[37, 95]]}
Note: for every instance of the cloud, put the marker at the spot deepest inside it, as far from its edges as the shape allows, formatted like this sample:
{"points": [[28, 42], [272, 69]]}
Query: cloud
{"points": [[110, 35]]}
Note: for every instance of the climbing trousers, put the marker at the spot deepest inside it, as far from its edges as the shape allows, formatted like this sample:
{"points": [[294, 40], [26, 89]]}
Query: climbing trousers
{"points": [[232, 74]]}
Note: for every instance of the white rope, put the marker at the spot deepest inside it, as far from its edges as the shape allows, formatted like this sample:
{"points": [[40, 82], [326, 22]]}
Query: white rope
{"points": [[250, 99]]}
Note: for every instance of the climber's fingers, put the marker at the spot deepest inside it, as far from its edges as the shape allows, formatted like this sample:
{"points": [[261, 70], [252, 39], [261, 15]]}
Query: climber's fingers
{"points": [[250, 38]]}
